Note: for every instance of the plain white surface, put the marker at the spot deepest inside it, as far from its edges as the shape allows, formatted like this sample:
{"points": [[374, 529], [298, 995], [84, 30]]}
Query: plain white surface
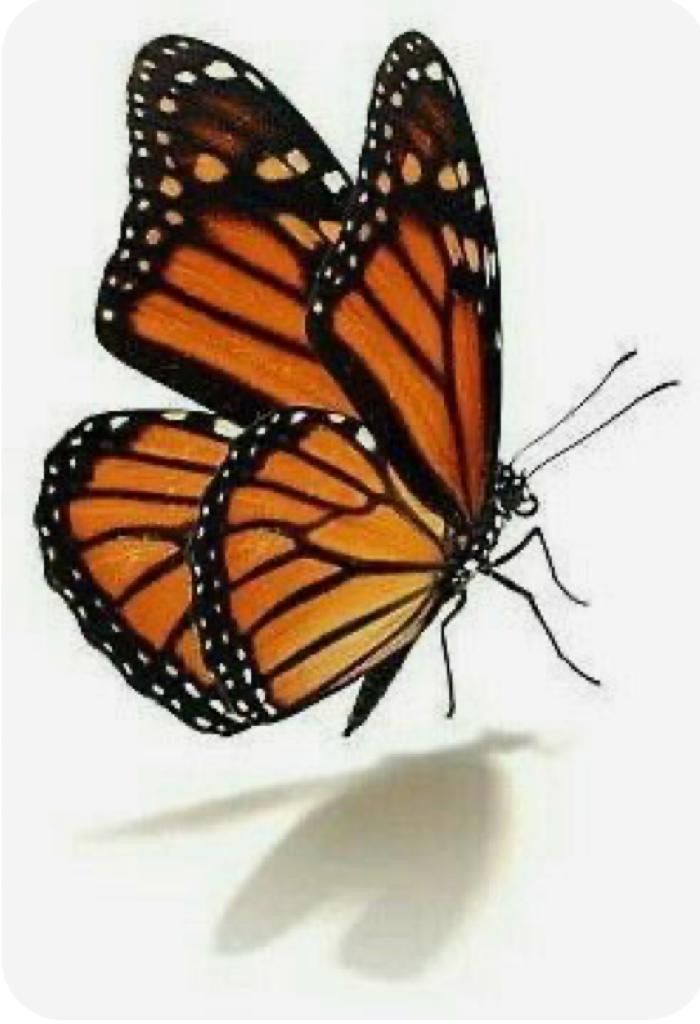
{"points": [[537, 856]]}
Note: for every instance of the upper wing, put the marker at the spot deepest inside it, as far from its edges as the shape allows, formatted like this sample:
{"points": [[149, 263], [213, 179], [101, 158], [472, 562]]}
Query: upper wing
{"points": [[118, 503], [314, 565], [406, 308], [233, 201]]}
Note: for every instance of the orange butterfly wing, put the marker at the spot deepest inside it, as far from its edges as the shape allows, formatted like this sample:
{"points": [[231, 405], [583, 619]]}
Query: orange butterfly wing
{"points": [[118, 504], [234, 199], [314, 565], [316, 559], [406, 308]]}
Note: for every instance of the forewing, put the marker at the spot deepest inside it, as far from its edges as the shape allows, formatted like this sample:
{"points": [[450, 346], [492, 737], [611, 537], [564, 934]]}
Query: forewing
{"points": [[118, 503], [406, 308], [314, 566], [234, 199]]}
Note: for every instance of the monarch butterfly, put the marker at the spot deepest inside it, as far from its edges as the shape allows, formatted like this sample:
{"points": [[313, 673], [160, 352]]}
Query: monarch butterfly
{"points": [[240, 565]]}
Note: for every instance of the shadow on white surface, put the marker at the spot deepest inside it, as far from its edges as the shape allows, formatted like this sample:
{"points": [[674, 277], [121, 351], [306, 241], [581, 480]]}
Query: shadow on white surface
{"points": [[412, 843], [221, 811], [410, 849]]}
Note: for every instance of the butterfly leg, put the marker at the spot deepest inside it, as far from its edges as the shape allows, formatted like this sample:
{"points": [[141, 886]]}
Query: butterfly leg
{"points": [[510, 584], [536, 534], [459, 605]]}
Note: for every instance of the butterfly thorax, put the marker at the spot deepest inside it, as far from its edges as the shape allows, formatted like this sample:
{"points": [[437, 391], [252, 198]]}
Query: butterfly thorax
{"points": [[472, 549]]}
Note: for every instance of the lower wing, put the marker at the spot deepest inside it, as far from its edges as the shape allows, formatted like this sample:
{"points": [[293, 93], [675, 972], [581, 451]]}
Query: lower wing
{"points": [[119, 500], [314, 566]]}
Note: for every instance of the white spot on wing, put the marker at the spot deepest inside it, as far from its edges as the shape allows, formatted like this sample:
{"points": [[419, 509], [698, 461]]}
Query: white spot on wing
{"points": [[366, 439], [252, 77], [220, 69], [224, 428], [333, 181]]}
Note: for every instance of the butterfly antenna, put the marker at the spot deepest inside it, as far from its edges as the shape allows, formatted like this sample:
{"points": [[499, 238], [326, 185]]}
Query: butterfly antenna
{"points": [[579, 405], [601, 426]]}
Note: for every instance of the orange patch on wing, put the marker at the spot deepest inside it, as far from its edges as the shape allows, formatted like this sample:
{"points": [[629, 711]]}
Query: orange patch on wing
{"points": [[380, 534], [234, 291], [325, 444], [314, 619], [452, 244], [447, 178], [411, 169], [130, 475], [420, 400], [209, 168], [471, 251], [255, 243], [249, 549], [183, 445], [424, 254], [250, 503], [271, 168], [398, 294], [154, 610], [310, 675], [407, 635], [160, 318], [300, 230], [435, 523], [286, 468], [89, 516], [254, 599], [331, 229], [116, 564]]}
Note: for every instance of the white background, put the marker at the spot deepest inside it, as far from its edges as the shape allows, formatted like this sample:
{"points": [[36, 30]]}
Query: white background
{"points": [[538, 855]]}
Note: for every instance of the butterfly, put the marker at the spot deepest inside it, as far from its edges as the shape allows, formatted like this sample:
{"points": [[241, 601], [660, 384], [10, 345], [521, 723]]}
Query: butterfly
{"points": [[239, 565]]}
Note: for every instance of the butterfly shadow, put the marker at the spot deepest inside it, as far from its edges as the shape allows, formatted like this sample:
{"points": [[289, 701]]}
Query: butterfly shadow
{"points": [[410, 848]]}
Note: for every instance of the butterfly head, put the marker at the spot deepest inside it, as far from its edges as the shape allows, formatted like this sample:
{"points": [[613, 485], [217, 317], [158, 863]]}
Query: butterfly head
{"points": [[512, 494]]}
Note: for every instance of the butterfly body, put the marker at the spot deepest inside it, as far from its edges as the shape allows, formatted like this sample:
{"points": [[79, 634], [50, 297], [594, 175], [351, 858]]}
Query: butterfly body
{"points": [[472, 546]]}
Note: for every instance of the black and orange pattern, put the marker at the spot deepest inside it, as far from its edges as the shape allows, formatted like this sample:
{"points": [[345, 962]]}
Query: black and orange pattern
{"points": [[119, 502], [234, 199], [406, 308], [314, 563], [239, 579]]}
